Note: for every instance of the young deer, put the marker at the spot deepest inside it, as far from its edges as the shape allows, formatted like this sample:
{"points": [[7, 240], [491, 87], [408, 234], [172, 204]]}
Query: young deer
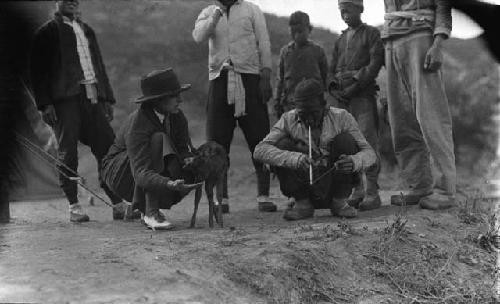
{"points": [[209, 165]]}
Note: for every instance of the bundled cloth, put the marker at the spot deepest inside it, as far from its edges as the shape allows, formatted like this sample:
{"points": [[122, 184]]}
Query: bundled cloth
{"points": [[235, 91]]}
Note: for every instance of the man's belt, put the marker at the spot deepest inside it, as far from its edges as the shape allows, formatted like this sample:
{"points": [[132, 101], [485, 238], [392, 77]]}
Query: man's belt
{"points": [[415, 15]]}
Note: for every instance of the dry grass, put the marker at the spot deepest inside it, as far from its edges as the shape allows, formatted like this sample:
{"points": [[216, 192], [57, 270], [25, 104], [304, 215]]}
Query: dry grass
{"points": [[421, 271]]}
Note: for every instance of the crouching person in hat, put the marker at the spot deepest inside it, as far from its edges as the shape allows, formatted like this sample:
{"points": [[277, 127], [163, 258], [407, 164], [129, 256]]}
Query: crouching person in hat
{"points": [[339, 152], [144, 165]]}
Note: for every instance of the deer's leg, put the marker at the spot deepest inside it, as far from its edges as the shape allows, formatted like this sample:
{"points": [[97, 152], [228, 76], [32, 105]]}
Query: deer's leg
{"points": [[209, 190], [219, 190], [197, 198]]}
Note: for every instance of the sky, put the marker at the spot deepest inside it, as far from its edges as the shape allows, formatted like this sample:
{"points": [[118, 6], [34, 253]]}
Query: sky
{"points": [[325, 13]]}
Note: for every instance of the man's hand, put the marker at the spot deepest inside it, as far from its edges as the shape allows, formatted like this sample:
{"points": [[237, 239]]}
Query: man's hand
{"points": [[108, 111], [351, 90], [304, 162], [434, 56], [265, 85], [179, 185], [49, 115], [339, 96], [345, 164]]}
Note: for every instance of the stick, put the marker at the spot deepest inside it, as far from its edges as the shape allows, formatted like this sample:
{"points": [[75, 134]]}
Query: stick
{"points": [[310, 157]]}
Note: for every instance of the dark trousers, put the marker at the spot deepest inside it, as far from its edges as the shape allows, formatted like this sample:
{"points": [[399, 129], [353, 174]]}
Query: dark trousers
{"points": [[119, 178], [79, 120], [295, 183], [169, 166], [255, 124], [364, 110]]}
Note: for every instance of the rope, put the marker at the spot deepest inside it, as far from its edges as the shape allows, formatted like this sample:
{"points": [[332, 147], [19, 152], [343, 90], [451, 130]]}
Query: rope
{"points": [[324, 174], [33, 148], [29, 145]]}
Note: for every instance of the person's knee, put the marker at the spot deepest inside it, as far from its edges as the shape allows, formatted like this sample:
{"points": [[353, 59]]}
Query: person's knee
{"points": [[344, 143], [285, 143]]}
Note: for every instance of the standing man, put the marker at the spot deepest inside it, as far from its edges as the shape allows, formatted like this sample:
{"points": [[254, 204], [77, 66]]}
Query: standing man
{"points": [[240, 80], [357, 58], [72, 90], [418, 107]]}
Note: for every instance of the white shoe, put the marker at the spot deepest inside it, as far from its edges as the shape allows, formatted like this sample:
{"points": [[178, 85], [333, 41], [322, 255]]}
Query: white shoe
{"points": [[157, 221]]}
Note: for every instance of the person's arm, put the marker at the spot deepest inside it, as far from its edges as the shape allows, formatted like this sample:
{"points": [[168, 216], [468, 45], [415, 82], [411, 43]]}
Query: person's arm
{"points": [[139, 151], [267, 152], [40, 65], [443, 24], [323, 67], [442, 31], [262, 37], [331, 79], [206, 23], [280, 81], [366, 156], [369, 73]]}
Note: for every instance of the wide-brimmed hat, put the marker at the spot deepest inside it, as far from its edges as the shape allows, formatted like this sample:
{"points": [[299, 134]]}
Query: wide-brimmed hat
{"points": [[160, 83], [307, 89]]}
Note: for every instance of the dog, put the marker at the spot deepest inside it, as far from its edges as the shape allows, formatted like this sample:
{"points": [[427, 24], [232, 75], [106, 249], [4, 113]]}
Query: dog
{"points": [[209, 164]]}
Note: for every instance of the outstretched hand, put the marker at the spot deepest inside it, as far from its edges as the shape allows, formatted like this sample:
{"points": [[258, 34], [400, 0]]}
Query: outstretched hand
{"points": [[180, 185], [49, 115]]}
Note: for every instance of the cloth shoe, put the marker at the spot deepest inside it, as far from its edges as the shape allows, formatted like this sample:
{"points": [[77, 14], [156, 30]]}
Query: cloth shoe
{"points": [[341, 208], [407, 199], [76, 214], [302, 209], [437, 202], [124, 211], [354, 202], [370, 202], [265, 204], [156, 221]]}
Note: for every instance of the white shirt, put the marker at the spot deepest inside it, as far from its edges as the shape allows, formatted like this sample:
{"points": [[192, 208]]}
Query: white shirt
{"points": [[242, 38], [82, 45]]}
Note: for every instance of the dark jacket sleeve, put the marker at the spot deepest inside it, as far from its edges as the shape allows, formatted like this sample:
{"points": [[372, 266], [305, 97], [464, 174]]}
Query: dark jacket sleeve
{"points": [[281, 76], [443, 22], [101, 68], [369, 73], [42, 52], [180, 134], [323, 67], [139, 151], [333, 64]]}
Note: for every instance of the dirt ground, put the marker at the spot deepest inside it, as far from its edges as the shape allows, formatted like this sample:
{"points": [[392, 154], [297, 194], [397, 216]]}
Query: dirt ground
{"points": [[391, 255]]}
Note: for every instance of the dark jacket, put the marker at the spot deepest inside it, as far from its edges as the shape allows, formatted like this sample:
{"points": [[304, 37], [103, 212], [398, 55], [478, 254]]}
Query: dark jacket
{"points": [[361, 58], [296, 64], [55, 67], [132, 147]]}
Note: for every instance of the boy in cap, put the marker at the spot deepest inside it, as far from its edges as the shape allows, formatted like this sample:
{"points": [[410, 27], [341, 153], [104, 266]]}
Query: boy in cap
{"points": [[144, 165], [300, 59], [339, 152], [357, 58]]}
